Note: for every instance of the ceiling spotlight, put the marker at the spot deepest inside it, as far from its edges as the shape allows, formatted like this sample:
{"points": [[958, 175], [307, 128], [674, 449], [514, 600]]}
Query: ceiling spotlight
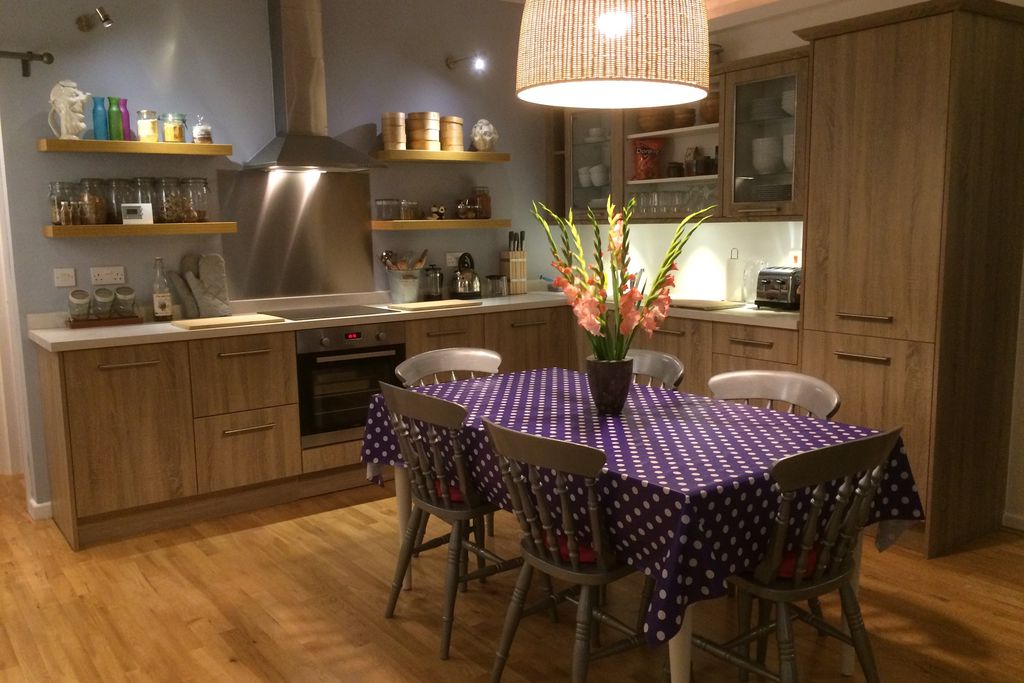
{"points": [[87, 22], [477, 62]]}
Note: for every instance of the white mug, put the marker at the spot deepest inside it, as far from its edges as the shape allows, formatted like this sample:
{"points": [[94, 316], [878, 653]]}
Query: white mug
{"points": [[584, 173], [599, 175]]}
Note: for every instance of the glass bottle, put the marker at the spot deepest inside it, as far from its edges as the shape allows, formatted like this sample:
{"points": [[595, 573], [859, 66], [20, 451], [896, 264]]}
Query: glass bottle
{"points": [[126, 122], [94, 201], [114, 126], [162, 310], [198, 193], [99, 119], [483, 200]]}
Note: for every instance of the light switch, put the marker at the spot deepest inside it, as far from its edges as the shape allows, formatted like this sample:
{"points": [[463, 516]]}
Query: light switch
{"points": [[64, 277]]}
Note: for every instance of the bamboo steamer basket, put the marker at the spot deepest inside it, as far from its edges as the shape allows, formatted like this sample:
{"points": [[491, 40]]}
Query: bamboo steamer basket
{"points": [[451, 133], [392, 129], [426, 145], [421, 134]]}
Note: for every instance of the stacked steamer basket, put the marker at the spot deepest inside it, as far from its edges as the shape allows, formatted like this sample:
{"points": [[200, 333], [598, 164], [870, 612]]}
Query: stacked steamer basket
{"points": [[451, 134], [392, 129], [423, 130]]}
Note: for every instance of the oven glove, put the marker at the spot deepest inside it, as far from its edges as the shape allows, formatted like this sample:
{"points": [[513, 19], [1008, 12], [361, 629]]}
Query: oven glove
{"points": [[189, 264], [211, 287], [189, 307]]}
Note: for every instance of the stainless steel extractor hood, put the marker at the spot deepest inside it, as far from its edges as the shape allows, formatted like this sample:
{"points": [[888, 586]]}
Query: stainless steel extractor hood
{"points": [[300, 96]]}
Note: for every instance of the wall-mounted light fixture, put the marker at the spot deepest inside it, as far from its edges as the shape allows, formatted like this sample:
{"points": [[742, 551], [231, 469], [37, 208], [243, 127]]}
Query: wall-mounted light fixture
{"points": [[477, 61], [87, 22]]}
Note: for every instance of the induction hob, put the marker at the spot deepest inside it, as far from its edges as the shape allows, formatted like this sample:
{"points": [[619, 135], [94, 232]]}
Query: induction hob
{"points": [[328, 312]]}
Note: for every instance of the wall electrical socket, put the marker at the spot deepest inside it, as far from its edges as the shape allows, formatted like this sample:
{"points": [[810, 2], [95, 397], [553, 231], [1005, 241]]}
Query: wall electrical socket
{"points": [[64, 277], [107, 275], [451, 258]]}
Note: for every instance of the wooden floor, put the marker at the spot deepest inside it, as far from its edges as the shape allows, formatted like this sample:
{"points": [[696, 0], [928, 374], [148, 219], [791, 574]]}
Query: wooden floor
{"points": [[296, 593]]}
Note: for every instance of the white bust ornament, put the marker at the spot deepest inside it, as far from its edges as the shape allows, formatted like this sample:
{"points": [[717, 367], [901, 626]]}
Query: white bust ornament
{"points": [[484, 136], [67, 102]]}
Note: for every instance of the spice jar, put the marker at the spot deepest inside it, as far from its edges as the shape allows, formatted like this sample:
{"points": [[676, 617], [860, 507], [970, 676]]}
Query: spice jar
{"points": [[174, 127], [196, 200], [482, 196], [167, 201], [146, 125], [94, 201], [60, 192], [202, 133]]}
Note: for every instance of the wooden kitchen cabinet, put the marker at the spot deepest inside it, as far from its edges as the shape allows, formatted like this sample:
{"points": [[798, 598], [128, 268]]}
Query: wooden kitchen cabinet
{"points": [[242, 373], [534, 338], [129, 417], [690, 342], [247, 447], [757, 343], [912, 245], [440, 333]]}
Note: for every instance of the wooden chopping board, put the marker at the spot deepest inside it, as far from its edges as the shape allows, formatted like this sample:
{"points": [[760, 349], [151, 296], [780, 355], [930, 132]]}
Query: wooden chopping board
{"points": [[436, 305], [226, 321], [705, 305]]}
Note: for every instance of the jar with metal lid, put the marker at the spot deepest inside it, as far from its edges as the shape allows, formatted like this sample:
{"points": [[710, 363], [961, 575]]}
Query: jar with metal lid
{"points": [[119, 191], [174, 127], [167, 201], [147, 126], [94, 201], [202, 133], [389, 209], [144, 190], [409, 210], [483, 200], [196, 194], [60, 191]]}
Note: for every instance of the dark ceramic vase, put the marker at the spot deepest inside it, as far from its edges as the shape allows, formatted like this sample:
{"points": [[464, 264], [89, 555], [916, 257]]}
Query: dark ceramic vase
{"points": [[609, 382]]}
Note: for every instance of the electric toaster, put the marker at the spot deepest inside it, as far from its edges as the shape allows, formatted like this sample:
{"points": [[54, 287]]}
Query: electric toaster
{"points": [[778, 287]]}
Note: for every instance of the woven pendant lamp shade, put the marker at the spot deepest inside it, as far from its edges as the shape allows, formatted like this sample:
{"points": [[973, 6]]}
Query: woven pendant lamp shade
{"points": [[613, 54]]}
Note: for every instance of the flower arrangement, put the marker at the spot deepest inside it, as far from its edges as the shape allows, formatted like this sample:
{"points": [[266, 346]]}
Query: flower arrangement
{"points": [[610, 303]]}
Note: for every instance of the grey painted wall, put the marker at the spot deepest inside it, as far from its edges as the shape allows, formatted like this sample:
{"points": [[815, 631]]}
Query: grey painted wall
{"points": [[196, 56]]}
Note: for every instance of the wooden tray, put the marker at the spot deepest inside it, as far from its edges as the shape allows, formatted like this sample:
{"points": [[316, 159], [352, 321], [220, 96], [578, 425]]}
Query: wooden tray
{"points": [[436, 305], [705, 305], [227, 321], [103, 322]]}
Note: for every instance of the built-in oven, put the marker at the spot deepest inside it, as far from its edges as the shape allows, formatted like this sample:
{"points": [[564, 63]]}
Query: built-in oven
{"points": [[340, 369]]}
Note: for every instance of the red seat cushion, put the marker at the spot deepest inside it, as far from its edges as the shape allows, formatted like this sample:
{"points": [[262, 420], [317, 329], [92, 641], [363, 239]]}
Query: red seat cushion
{"points": [[788, 566], [587, 554], [453, 492]]}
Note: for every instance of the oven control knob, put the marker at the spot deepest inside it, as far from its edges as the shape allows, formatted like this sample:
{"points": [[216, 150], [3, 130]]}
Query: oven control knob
{"points": [[381, 336], [325, 341]]}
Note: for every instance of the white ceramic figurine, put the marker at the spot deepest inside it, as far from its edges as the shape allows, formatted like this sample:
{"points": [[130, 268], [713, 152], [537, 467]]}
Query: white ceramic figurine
{"points": [[67, 102], [484, 136]]}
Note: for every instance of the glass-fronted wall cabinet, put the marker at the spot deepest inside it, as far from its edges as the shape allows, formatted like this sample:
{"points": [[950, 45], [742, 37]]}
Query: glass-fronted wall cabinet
{"points": [[593, 160], [765, 121], [671, 157]]}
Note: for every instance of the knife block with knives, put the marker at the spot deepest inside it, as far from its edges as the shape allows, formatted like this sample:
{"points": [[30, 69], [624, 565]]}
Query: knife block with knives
{"points": [[512, 263]]}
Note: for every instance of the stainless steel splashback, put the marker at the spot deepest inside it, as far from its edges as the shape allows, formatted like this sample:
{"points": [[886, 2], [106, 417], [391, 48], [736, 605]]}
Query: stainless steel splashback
{"points": [[298, 233]]}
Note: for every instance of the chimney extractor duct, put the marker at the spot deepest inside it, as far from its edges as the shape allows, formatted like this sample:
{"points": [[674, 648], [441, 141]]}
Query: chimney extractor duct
{"points": [[300, 96]]}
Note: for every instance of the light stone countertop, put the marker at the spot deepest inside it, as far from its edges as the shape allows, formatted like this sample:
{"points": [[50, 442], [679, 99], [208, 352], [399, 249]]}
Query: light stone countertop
{"points": [[57, 339]]}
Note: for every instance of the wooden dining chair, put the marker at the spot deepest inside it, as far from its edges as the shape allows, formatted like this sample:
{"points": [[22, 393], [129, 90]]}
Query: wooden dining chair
{"points": [[790, 391], [447, 365], [825, 497], [543, 477], [654, 368], [428, 430]]}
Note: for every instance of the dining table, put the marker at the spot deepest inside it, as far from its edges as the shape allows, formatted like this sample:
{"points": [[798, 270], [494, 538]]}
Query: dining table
{"points": [[686, 490]]}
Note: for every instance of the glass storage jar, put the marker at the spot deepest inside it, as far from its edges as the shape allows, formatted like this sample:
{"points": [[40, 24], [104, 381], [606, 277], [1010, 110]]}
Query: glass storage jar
{"points": [[146, 125], [60, 191], [409, 210], [388, 209], [167, 201], [196, 194], [119, 191], [144, 190], [94, 201], [483, 200], [174, 127]]}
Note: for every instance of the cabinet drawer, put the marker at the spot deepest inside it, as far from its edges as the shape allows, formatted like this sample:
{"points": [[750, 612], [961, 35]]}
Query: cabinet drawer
{"points": [[129, 426], [534, 338], [443, 333], [883, 383], [247, 448], [331, 456], [761, 343], [242, 373]]}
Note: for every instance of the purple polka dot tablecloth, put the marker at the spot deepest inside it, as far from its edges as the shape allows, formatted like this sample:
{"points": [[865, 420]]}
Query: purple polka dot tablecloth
{"points": [[686, 492]]}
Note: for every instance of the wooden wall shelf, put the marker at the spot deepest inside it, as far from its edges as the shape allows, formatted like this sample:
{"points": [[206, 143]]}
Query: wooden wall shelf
{"points": [[132, 147], [421, 155], [454, 224], [210, 228]]}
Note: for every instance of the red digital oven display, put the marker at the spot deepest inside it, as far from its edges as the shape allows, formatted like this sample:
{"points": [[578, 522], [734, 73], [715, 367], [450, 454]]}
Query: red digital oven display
{"points": [[349, 336]]}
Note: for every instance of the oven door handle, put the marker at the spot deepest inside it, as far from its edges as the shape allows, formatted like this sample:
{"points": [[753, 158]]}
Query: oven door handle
{"points": [[356, 356]]}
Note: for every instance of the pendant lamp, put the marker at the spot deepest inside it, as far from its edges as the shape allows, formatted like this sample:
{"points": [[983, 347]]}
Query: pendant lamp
{"points": [[613, 54]]}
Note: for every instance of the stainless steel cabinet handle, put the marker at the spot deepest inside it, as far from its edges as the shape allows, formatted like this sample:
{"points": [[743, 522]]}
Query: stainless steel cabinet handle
{"points": [[671, 333], [864, 316], [121, 366], [883, 360], [752, 342], [246, 430], [355, 356], [235, 354], [767, 209], [445, 333], [530, 323]]}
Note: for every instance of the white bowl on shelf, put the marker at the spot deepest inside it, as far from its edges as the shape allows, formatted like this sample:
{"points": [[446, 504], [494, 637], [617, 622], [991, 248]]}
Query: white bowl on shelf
{"points": [[766, 154]]}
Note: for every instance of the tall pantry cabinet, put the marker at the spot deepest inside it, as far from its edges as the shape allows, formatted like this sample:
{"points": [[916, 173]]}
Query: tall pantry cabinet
{"points": [[913, 242]]}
